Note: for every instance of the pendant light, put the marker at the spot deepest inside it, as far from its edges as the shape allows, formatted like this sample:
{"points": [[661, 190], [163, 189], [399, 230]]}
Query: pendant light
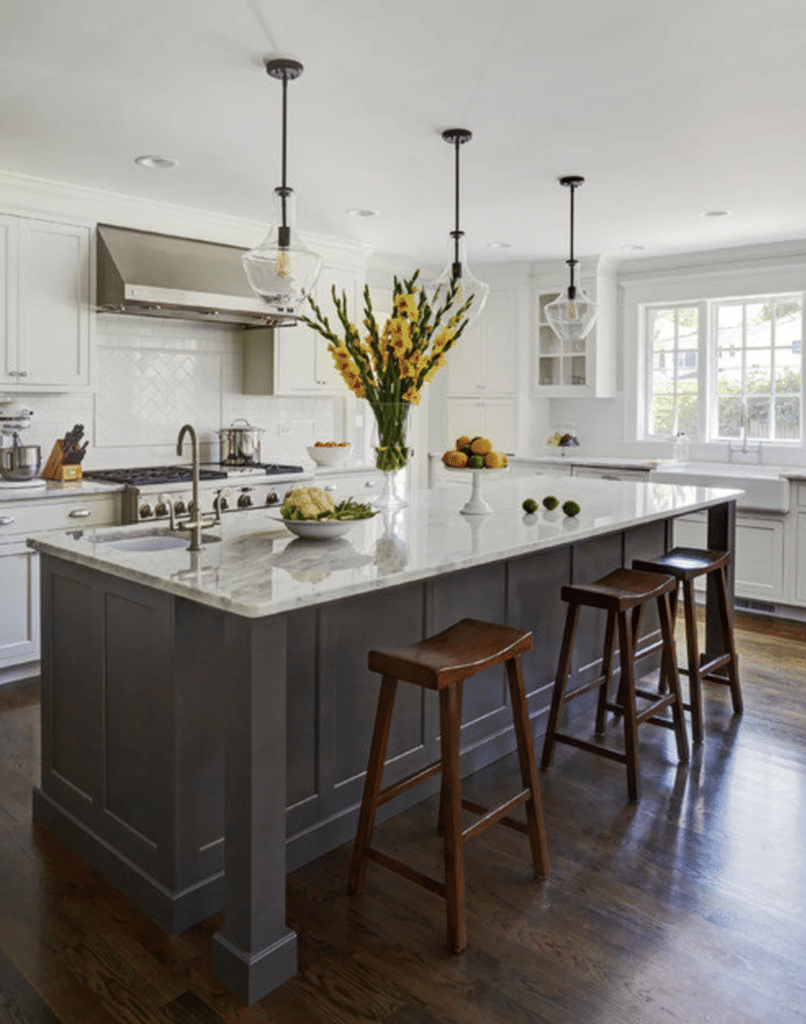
{"points": [[572, 315], [281, 270], [457, 272]]}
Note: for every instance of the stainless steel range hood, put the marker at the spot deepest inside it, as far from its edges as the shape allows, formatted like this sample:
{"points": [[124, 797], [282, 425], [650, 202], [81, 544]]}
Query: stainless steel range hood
{"points": [[161, 275]]}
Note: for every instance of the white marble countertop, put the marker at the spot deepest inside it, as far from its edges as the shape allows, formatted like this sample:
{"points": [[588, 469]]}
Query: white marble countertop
{"points": [[253, 566], [54, 489]]}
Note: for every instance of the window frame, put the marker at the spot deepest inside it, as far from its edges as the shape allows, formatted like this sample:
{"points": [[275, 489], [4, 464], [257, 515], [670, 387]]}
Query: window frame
{"points": [[688, 279]]}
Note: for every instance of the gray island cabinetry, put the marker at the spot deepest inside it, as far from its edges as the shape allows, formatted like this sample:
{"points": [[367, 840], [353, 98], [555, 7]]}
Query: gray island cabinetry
{"points": [[193, 696]]}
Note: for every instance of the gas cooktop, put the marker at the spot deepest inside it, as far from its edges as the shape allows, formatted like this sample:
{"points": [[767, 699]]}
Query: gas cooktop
{"points": [[142, 476]]}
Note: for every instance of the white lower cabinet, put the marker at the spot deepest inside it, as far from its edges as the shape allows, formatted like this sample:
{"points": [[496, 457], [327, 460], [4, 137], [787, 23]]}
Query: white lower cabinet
{"points": [[19, 604], [19, 564], [361, 485], [800, 545], [760, 572]]}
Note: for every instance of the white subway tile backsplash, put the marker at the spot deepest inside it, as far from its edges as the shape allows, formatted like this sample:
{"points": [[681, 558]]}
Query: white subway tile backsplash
{"points": [[154, 375]]}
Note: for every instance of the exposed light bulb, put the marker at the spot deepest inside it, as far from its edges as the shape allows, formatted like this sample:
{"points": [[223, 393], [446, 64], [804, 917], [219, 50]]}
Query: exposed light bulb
{"points": [[282, 263]]}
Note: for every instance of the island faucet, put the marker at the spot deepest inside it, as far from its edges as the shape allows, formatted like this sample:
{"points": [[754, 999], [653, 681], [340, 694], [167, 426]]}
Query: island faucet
{"points": [[195, 525]]}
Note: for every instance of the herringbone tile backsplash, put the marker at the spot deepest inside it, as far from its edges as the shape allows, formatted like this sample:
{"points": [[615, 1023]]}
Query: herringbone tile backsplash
{"points": [[154, 375]]}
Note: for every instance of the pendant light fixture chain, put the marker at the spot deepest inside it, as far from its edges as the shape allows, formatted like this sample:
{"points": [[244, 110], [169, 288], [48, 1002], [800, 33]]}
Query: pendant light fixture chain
{"points": [[457, 137], [572, 182], [286, 70]]}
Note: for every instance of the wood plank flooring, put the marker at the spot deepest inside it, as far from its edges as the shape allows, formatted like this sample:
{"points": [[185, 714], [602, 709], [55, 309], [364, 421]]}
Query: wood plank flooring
{"points": [[689, 907]]}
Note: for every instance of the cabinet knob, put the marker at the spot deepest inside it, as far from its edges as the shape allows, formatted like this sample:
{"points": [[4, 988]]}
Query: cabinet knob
{"points": [[370, 483], [23, 373], [7, 520]]}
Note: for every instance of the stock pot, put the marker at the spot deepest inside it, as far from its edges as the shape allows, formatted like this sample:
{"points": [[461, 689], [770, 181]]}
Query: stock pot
{"points": [[240, 444]]}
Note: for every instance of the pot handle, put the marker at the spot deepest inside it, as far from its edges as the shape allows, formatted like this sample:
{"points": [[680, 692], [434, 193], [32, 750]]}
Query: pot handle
{"points": [[242, 420]]}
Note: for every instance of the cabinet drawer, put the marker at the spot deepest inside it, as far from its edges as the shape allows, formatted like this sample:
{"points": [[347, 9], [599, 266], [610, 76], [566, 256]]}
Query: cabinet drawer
{"points": [[801, 495], [24, 519]]}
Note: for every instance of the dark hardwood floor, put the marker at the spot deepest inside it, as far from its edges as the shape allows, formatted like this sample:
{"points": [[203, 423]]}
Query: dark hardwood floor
{"points": [[689, 907]]}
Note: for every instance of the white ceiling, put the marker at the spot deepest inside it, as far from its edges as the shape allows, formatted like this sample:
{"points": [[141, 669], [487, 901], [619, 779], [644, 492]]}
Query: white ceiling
{"points": [[667, 109]]}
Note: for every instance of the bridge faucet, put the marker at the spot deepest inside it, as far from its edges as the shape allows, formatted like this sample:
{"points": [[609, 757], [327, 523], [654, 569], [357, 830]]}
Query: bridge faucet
{"points": [[195, 526]]}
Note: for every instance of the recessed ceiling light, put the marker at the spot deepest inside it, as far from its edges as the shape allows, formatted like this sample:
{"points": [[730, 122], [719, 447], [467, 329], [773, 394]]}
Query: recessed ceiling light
{"points": [[499, 245], [357, 211], [155, 162], [716, 213]]}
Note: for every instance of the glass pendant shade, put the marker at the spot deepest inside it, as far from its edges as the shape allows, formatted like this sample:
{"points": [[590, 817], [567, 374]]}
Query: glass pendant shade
{"points": [[571, 316], [282, 270], [467, 284]]}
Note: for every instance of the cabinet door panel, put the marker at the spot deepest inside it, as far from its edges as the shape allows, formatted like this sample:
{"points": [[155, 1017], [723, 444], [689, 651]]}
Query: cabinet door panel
{"points": [[760, 558], [19, 604], [54, 304], [8, 296]]}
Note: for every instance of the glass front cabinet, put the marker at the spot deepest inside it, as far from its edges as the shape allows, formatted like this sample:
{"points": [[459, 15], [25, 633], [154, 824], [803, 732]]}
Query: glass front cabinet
{"points": [[582, 369]]}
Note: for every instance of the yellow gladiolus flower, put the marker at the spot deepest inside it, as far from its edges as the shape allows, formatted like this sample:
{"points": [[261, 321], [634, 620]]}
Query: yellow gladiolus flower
{"points": [[407, 306], [412, 396]]}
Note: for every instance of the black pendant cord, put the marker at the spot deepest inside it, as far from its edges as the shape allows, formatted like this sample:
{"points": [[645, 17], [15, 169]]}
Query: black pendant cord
{"points": [[456, 136], [286, 69], [457, 232], [283, 167], [572, 292]]}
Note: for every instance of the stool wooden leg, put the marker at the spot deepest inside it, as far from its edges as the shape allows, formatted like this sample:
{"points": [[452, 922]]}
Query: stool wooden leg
{"points": [[663, 686], [526, 758], [450, 725], [728, 641], [637, 615], [670, 660], [441, 817], [693, 654], [627, 689], [607, 672], [372, 785], [563, 671]]}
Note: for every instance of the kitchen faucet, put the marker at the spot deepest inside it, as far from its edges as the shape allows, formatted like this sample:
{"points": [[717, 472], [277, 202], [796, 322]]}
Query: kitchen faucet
{"points": [[744, 422], [195, 524]]}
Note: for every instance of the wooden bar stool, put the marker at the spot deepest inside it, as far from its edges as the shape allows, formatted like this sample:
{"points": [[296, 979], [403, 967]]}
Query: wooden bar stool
{"points": [[686, 564], [623, 594], [442, 663]]}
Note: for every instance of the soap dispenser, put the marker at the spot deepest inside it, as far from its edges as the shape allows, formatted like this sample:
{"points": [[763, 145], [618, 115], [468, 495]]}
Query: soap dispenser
{"points": [[681, 448]]}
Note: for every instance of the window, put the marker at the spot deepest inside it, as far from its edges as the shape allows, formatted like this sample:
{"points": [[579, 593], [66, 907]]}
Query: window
{"points": [[720, 366]]}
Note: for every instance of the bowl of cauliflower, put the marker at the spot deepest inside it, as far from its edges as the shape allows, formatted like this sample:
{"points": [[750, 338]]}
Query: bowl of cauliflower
{"points": [[311, 513]]}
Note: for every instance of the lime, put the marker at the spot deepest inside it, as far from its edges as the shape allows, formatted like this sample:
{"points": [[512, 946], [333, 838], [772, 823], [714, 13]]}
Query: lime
{"points": [[530, 505], [550, 502], [571, 508], [475, 462]]}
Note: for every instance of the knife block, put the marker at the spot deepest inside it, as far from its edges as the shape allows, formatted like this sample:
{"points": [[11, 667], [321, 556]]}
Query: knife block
{"points": [[57, 469]]}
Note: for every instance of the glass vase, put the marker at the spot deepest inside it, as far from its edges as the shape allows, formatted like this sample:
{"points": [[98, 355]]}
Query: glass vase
{"points": [[390, 443]]}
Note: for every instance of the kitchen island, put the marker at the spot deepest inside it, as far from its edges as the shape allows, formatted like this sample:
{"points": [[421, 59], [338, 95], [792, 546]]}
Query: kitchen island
{"points": [[189, 696]]}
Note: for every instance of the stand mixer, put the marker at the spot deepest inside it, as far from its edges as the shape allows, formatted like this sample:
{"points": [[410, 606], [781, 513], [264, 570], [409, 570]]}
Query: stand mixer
{"points": [[19, 463]]}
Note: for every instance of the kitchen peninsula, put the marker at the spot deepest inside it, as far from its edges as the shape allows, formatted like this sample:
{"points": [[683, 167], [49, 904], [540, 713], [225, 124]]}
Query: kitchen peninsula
{"points": [[188, 696]]}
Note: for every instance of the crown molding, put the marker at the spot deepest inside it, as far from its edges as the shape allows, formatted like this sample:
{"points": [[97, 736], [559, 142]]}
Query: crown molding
{"points": [[40, 197]]}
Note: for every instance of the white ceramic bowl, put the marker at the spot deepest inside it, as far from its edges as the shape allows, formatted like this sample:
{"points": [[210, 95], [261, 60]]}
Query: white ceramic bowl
{"points": [[320, 529], [334, 455]]}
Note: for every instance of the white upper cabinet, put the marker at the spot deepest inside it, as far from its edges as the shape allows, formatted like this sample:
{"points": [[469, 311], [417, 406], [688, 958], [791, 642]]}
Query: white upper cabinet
{"points": [[298, 362], [582, 369], [303, 363], [45, 305], [484, 360]]}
